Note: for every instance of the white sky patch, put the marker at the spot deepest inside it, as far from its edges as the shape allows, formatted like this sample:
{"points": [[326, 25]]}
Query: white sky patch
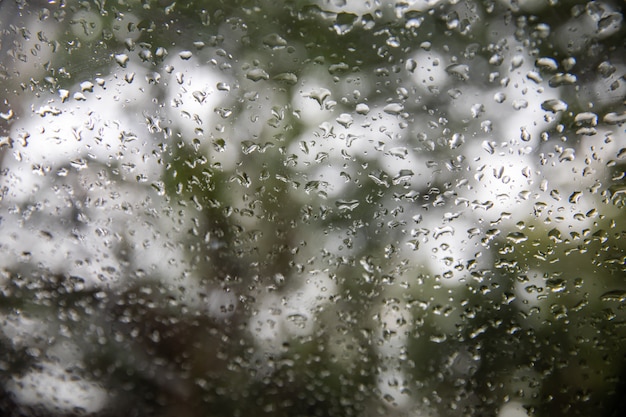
{"points": [[513, 409], [192, 95], [54, 388], [392, 384], [281, 317], [430, 70]]}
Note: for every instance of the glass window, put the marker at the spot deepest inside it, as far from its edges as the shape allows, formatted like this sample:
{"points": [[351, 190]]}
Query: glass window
{"points": [[312, 208]]}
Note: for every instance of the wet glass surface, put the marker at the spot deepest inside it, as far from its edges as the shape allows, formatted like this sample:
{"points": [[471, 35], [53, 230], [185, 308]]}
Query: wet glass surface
{"points": [[312, 208]]}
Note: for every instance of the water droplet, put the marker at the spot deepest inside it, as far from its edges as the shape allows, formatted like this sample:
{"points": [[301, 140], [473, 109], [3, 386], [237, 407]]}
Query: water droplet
{"points": [[586, 119], [614, 295], [399, 152], [344, 23], [456, 140], [362, 108], [555, 235], [347, 205], [338, 68], [496, 59], [411, 65], [460, 71], [489, 146], [403, 175], [299, 320], [554, 105], [547, 64], [286, 77], [477, 110], [320, 95], [568, 154], [274, 41], [610, 24], [257, 74], [517, 61], [393, 108], [345, 120], [185, 55], [561, 79], [121, 59], [575, 196], [614, 118]]}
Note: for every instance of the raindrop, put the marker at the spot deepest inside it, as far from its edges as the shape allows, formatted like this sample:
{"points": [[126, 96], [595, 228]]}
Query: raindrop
{"points": [[554, 105], [562, 79], [393, 108], [274, 41], [344, 23], [185, 55], [586, 119], [460, 71], [347, 205], [517, 61], [574, 197], [547, 64], [456, 140], [362, 108], [320, 95], [121, 59], [477, 110], [345, 120], [489, 146], [516, 237], [614, 118], [568, 154], [299, 320], [499, 97], [614, 295], [286, 77], [257, 74], [411, 65], [610, 24]]}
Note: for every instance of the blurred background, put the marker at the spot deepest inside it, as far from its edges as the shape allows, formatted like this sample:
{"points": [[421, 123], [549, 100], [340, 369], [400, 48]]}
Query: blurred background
{"points": [[312, 208]]}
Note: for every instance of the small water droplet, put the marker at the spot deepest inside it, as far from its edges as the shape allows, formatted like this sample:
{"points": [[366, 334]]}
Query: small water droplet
{"points": [[547, 64], [460, 71], [274, 41], [561, 79], [185, 55], [614, 295], [614, 118], [299, 320], [362, 108], [257, 74], [345, 120], [121, 59], [320, 95], [393, 108], [411, 65], [586, 119], [287, 78], [575, 196], [554, 105], [568, 154], [347, 205], [516, 237]]}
